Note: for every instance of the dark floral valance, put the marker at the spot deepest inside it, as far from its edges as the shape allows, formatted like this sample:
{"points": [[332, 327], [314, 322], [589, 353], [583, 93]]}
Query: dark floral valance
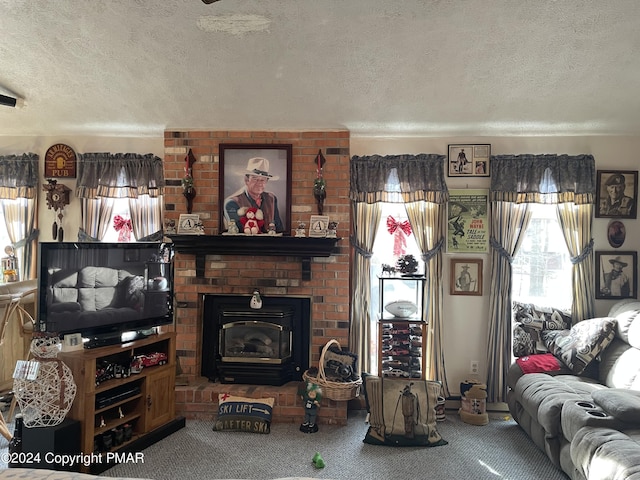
{"points": [[19, 176], [119, 175], [543, 178], [398, 179]]}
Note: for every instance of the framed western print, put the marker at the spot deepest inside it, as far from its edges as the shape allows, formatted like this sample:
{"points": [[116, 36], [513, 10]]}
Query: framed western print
{"points": [[466, 276], [468, 221], [469, 160], [256, 176], [617, 274], [617, 193]]}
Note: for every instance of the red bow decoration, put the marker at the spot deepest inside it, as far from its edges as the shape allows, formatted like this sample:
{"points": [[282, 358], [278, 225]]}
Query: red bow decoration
{"points": [[393, 225], [397, 229]]}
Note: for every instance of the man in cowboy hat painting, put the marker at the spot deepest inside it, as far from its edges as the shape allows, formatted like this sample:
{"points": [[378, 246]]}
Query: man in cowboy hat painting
{"points": [[615, 202], [616, 282], [253, 194]]}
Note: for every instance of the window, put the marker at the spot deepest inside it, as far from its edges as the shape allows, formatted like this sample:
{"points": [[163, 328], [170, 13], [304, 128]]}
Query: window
{"points": [[542, 266], [383, 253]]}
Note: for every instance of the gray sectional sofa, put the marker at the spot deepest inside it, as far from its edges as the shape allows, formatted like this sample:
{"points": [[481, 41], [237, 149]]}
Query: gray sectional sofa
{"points": [[588, 423]]}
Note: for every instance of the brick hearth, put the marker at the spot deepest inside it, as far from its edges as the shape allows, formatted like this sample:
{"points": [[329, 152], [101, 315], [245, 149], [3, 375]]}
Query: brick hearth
{"points": [[199, 400]]}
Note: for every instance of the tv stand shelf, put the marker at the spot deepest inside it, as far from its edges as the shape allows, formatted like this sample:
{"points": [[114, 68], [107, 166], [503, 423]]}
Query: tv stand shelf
{"points": [[145, 405]]}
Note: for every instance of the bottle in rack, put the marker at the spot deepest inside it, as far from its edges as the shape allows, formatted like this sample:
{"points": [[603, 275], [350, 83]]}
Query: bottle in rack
{"points": [[15, 445]]}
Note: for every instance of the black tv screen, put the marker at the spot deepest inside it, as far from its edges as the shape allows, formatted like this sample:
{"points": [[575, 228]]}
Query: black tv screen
{"points": [[104, 289]]}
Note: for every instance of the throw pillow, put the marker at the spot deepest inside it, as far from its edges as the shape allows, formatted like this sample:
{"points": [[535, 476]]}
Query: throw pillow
{"points": [[531, 320], [580, 346], [240, 414], [402, 412], [620, 403]]}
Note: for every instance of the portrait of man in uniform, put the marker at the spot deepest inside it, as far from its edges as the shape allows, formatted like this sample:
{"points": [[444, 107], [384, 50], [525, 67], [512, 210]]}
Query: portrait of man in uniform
{"points": [[617, 194]]}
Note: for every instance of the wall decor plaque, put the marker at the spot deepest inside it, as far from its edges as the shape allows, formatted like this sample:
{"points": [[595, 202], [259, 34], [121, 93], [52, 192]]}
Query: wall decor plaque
{"points": [[60, 161]]}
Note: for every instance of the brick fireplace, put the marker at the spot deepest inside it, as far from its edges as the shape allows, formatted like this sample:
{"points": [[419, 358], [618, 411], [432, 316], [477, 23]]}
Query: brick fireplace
{"points": [[322, 279]]}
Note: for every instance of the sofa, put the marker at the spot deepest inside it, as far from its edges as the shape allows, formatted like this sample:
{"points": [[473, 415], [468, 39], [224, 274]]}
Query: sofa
{"points": [[581, 404], [93, 296]]}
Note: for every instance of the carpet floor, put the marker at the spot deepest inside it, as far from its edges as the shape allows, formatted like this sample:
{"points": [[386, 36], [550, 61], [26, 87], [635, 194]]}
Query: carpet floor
{"points": [[499, 450]]}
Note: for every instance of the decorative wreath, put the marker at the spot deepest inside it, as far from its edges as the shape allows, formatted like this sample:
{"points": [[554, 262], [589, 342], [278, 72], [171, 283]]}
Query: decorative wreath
{"points": [[407, 264]]}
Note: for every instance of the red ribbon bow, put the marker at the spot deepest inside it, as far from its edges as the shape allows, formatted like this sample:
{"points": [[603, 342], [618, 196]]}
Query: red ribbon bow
{"points": [[393, 225]]}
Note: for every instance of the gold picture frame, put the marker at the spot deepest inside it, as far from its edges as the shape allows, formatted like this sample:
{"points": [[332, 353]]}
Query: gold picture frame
{"points": [[465, 276]]}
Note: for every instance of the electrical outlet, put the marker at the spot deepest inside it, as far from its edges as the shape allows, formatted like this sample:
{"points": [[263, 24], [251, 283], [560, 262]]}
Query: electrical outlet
{"points": [[474, 368]]}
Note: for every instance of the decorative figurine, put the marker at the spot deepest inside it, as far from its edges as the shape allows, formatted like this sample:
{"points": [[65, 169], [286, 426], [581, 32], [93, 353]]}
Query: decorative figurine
{"points": [[170, 226], [102, 422], [233, 228], [311, 396], [332, 227], [271, 230], [120, 414], [256, 301], [301, 230]]}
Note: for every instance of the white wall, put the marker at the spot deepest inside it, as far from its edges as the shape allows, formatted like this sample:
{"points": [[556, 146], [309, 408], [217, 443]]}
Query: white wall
{"points": [[39, 146], [466, 317]]}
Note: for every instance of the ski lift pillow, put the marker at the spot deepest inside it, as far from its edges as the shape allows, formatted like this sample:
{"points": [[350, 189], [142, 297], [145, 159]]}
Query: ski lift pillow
{"points": [[240, 414], [402, 412]]}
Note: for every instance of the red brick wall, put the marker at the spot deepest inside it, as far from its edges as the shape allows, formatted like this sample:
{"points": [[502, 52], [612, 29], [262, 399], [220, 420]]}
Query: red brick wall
{"points": [[226, 274]]}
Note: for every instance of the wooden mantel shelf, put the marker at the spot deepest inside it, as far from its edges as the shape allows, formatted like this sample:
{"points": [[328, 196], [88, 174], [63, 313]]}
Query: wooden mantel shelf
{"points": [[303, 247]]}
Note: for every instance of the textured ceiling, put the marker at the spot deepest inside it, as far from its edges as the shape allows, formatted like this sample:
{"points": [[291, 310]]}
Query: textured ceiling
{"points": [[409, 67]]}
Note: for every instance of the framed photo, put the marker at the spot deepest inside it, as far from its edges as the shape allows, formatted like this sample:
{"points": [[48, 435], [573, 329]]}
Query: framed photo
{"points": [[189, 224], [258, 176], [72, 342], [469, 160], [617, 275], [616, 233], [466, 276], [617, 193], [318, 226], [468, 221]]}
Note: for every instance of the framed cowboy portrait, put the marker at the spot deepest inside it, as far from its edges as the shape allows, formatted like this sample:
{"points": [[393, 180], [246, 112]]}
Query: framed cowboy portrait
{"points": [[617, 274], [617, 193], [466, 276], [255, 179]]}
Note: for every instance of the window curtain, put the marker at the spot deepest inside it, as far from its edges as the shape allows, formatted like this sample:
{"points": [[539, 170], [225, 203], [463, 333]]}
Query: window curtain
{"points": [[18, 200], [418, 182], [104, 176], [516, 181]]}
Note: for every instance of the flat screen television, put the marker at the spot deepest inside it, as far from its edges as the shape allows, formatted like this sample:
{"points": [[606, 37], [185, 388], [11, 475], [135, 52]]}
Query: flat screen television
{"points": [[104, 290]]}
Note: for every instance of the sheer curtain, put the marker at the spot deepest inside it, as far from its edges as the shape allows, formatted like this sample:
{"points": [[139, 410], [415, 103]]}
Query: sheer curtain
{"points": [[18, 200], [516, 181], [103, 177], [418, 182]]}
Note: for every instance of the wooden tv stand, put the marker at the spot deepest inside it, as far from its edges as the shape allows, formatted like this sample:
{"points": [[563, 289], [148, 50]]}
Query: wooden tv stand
{"points": [[143, 401]]}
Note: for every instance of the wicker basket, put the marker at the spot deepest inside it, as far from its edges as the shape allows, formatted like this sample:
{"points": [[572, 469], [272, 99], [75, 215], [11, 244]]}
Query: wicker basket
{"points": [[333, 390]]}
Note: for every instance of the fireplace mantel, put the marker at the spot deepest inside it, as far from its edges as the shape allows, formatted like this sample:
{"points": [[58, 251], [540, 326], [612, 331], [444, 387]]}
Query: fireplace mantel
{"points": [[303, 247]]}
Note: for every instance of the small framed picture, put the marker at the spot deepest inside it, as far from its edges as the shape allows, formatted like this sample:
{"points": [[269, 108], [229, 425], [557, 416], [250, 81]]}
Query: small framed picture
{"points": [[616, 233], [72, 342], [466, 276], [617, 193], [469, 160], [189, 224], [318, 226], [617, 274]]}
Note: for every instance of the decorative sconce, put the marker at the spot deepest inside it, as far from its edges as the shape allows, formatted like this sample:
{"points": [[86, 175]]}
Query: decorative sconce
{"points": [[188, 190], [319, 185]]}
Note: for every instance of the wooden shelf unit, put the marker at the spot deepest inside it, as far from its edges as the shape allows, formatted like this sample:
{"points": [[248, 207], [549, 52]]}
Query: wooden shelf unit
{"points": [[153, 408]]}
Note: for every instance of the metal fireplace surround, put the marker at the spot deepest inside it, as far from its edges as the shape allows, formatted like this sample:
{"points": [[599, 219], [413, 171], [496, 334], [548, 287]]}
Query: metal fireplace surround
{"points": [[266, 346]]}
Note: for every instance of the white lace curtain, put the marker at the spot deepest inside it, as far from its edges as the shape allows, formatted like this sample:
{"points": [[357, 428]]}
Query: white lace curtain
{"points": [[103, 177]]}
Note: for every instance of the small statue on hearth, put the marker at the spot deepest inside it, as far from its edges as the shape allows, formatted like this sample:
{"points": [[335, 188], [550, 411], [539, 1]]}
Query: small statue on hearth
{"points": [[271, 229], [311, 396], [252, 220], [332, 228], [233, 228], [301, 231]]}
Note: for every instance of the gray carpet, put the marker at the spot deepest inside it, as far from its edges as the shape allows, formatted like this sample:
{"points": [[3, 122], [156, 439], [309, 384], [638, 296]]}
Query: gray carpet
{"points": [[499, 450]]}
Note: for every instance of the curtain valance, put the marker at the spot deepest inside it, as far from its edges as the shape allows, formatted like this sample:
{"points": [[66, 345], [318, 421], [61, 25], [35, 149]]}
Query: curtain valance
{"points": [[545, 178], [119, 175], [19, 176], [398, 179]]}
